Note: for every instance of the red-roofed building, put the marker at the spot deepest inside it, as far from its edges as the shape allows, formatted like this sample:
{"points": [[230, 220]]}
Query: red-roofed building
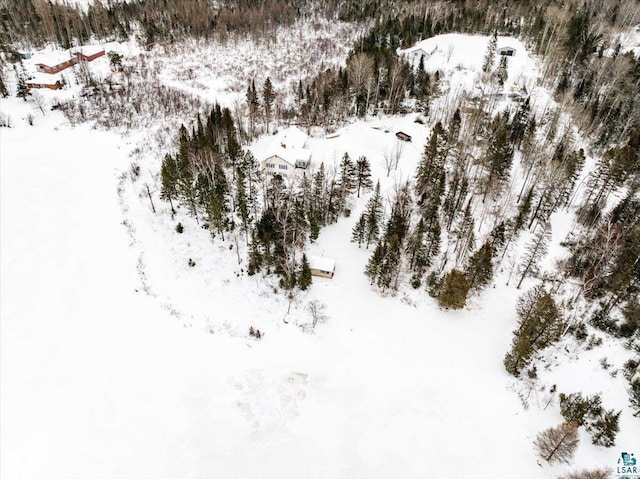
{"points": [[44, 68], [50, 85], [88, 57]]}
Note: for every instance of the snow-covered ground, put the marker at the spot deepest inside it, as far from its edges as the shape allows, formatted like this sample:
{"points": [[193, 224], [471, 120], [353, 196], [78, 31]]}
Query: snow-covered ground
{"points": [[120, 360]]}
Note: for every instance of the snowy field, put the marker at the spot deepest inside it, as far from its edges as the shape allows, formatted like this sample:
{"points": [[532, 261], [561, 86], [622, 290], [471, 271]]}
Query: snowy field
{"points": [[120, 360]]}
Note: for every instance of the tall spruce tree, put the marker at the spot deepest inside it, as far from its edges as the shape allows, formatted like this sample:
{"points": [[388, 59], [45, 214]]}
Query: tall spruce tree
{"points": [[22, 89], [430, 174], [304, 277], [359, 232], [363, 174], [374, 212], [487, 64], [540, 324], [536, 249], [480, 268], [268, 96]]}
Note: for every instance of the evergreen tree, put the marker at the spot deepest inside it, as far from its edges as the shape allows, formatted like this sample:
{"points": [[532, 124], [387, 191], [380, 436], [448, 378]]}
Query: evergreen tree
{"points": [[430, 174], [255, 256], [252, 106], [398, 223], [523, 210], [455, 125], [389, 265], [374, 264], [241, 202], [580, 410], [480, 268], [363, 174], [464, 235], [268, 96], [634, 396], [453, 290], [487, 64], [346, 180], [359, 232], [23, 90], [373, 211], [216, 201], [536, 249], [540, 325], [520, 123], [304, 277], [604, 429], [318, 198], [3, 89], [187, 173], [169, 174], [499, 155], [502, 72]]}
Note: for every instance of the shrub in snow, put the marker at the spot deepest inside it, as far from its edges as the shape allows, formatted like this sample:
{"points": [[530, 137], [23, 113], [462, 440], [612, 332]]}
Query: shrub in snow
{"points": [[588, 474], [255, 333], [191, 263], [179, 228], [134, 169]]}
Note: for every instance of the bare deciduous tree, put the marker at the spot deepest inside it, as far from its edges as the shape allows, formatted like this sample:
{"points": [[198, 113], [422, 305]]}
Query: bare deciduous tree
{"points": [[558, 444], [317, 312]]}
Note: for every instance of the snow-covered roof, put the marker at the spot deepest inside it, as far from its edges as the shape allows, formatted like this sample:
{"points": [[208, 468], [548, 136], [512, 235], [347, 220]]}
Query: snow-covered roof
{"points": [[321, 263], [290, 138], [51, 57], [89, 50], [421, 50], [44, 78]]}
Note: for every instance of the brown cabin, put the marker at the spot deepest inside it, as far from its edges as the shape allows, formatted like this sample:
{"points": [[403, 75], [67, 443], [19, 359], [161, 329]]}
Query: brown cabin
{"points": [[403, 136], [51, 86]]}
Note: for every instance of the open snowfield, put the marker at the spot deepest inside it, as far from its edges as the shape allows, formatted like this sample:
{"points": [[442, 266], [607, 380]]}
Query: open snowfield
{"points": [[119, 360]]}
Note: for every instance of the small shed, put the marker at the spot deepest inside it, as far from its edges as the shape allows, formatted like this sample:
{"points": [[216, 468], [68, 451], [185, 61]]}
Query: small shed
{"points": [[417, 55], [25, 55], [321, 266], [403, 136], [507, 51]]}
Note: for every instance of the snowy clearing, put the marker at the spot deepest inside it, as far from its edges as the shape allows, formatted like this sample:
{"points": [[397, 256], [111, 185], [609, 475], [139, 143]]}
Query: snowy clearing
{"points": [[119, 359]]}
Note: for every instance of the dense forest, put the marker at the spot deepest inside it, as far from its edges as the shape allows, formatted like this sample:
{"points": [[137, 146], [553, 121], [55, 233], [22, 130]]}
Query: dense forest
{"points": [[447, 230]]}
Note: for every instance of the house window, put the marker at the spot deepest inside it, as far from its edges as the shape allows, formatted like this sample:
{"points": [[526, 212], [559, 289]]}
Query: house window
{"points": [[271, 165], [282, 167]]}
